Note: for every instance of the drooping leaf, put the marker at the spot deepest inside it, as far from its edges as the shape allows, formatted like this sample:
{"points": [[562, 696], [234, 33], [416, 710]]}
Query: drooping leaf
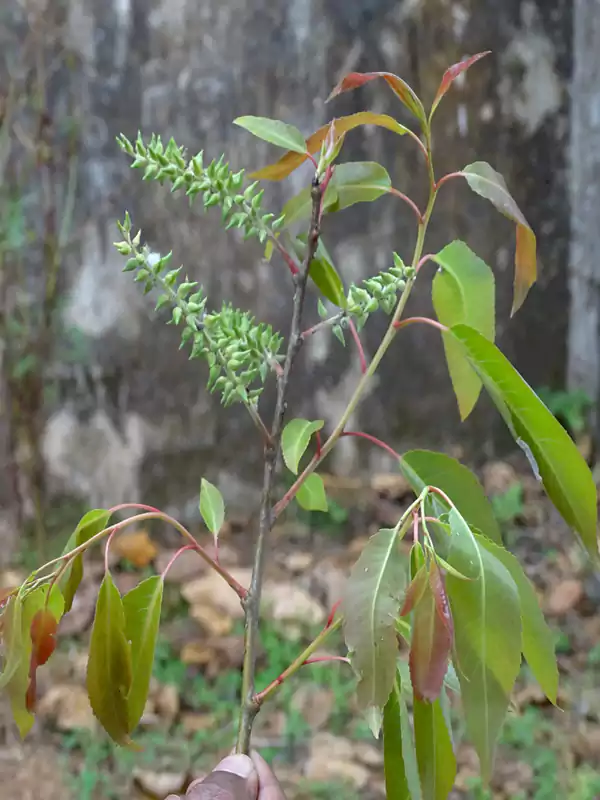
{"points": [[463, 292], [212, 507], [90, 524], [564, 473], [21, 688], [485, 181], [370, 606], [432, 636], [435, 755], [311, 495], [400, 88], [275, 132], [356, 182], [538, 640], [291, 160], [142, 607], [399, 756], [295, 439], [425, 468], [109, 674], [322, 271], [452, 74], [415, 591], [43, 644], [487, 636], [12, 639]]}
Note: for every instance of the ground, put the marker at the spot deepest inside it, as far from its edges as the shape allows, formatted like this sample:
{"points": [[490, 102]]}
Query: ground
{"points": [[311, 732]]}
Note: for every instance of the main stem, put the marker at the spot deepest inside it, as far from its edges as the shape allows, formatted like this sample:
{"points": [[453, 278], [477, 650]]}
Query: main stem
{"points": [[252, 602]]}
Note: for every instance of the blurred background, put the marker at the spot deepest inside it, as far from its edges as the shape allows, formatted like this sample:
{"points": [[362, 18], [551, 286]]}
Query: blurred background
{"points": [[98, 406]]}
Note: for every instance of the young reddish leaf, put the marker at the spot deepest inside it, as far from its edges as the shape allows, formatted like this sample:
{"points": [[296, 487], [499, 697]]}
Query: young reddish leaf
{"points": [[463, 292], [415, 591], [432, 638], [435, 755], [564, 473], [43, 643], [109, 673], [21, 687], [275, 132], [370, 606], [452, 74], [400, 88], [424, 468], [90, 524], [399, 755], [142, 607], [485, 181], [291, 161]]}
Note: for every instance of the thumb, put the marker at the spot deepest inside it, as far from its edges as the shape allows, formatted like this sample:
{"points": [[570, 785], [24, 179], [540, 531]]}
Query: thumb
{"points": [[234, 778]]}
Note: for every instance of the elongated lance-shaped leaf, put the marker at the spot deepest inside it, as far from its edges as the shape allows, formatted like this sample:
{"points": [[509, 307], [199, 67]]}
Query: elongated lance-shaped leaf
{"points": [[399, 756], [564, 473], [109, 664], [21, 686], [487, 636], [311, 495], [212, 507], [322, 271], [485, 181], [90, 524], [452, 74], [432, 637], [435, 755], [12, 638], [274, 131], [538, 639], [142, 607], [295, 439], [424, 468], [292, 160], [463, 292], [370, 606], [399, 87]]}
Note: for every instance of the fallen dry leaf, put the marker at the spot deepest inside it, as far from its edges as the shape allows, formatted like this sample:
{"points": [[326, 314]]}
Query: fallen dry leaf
{"points": [[192, 722], [288, 603], [564, 597], [160, 784], [135, 547], [498, 477], [214, 621], [212, 590], [166, 702], [368, 754], [332, 758], [314, 703], [393, 486], [67, 706]]}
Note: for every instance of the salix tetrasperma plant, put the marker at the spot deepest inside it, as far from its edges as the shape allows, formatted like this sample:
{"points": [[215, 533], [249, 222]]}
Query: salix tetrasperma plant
{"points": [[460, 600]]}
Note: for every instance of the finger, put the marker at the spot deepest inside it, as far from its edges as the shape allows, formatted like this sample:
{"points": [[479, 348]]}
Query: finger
{"points": [[234, 778], [270, 788]]}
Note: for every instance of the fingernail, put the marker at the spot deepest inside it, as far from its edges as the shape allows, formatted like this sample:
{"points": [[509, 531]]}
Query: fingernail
{"points": [[237, 765]]}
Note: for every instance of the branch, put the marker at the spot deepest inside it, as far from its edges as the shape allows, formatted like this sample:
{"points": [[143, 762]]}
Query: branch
{"points": [[358, 343], [425, 320], [252, 603]]}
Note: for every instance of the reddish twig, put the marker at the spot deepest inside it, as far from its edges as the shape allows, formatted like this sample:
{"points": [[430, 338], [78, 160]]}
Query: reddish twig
{"points": [[403, 323], [415, 527], [361, 352], [107, 546], [447, 178], [423, 261], [325, 659], [318, 441], [408, 202], [442, 494], [332, 614], [175, 557], [373, 440]]}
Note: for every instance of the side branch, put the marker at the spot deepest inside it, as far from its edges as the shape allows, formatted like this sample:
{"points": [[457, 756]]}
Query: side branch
{"points": [[252, 603]]}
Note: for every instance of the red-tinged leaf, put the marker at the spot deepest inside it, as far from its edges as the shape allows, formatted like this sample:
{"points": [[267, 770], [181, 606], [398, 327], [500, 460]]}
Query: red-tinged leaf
{"points": [[90, 524], [415, 591], [109, 673], [400, 88], [43, 643], [432, 638], [291, 161], [452, 74], [488, 183], [21, 688], [142, 607]]}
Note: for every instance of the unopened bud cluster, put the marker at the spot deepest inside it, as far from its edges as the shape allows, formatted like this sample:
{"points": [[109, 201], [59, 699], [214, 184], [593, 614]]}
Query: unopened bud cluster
{"points": [[218, 184], [240, 352], [380, 291]]}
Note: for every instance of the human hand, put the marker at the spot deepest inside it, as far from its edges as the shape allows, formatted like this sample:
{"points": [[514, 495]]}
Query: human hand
{"points": [[236, 778]]}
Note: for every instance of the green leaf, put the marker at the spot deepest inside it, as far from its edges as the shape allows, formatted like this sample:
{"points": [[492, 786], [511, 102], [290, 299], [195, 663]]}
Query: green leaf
{"points": [[142, 606], [538, 639], [463, 292], [563, 471], [274, 131], [322, 271], [18, 687], [356, 182], [295, 439], [109, 672], [12, 639], [488, 183], [311, 495], [424, 468], [212, 507], [370, 607], [487, 636], [399, 756], [90, 524], [435, 755]]}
